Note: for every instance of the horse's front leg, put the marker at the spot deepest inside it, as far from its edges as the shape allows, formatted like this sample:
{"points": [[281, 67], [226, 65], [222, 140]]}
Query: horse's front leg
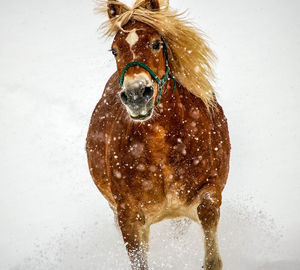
{"points": [[136, 237], [209, 214]]}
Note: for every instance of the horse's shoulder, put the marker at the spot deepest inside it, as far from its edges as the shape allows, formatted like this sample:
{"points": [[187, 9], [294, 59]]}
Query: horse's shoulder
{"points": [[112, 86], [108, 98], [105, 109]]}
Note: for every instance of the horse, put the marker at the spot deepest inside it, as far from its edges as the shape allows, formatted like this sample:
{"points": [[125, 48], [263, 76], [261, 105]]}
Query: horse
{"points": [[158, 144]]}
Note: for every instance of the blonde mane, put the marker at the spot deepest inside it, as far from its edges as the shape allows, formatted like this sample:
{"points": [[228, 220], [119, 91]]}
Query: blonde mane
{"points": [[190, 56]]}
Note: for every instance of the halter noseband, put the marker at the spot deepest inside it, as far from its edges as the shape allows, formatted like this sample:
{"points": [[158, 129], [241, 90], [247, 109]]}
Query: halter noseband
{"points": [[159, 81]]}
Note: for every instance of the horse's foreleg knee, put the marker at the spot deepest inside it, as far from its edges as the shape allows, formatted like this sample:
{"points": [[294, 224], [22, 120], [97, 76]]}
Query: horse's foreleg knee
{"points": [[209, 213]]}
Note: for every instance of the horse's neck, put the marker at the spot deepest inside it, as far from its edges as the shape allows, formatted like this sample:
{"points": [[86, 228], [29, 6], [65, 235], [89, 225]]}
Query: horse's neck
{"points": [[171, 104]]}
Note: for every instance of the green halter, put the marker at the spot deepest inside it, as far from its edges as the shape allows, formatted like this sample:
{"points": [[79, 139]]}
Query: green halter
{"points": [[159, 81]]}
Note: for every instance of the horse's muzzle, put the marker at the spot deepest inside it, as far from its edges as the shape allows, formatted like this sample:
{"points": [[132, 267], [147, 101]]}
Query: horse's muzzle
{"points": [[139, 100]]}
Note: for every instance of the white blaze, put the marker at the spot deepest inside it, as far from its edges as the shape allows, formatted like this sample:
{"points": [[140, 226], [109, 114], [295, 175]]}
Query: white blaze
{"points": [[132, 39]]}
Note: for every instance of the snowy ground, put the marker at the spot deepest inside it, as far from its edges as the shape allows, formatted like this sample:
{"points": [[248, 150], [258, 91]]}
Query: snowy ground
{"points": [[53, 67]]}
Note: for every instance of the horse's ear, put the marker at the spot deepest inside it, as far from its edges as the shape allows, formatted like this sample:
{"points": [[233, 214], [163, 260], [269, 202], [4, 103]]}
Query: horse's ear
{"points": [[152, 4], [114, 9]]}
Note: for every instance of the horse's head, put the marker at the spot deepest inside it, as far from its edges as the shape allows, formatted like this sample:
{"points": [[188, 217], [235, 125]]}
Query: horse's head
{"points": [[136, 45]]}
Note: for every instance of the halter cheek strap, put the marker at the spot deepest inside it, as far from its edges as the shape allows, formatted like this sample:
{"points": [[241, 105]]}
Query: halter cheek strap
{"points": [[159, 81]]}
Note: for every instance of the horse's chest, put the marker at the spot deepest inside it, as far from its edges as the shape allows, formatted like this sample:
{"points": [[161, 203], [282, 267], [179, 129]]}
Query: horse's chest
{"points": [[146, 165], [142, 155]]}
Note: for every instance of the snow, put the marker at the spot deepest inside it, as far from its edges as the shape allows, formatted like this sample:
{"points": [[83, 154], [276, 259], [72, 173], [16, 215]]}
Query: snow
{"points": [[117, 174], [137, 149], [141, 167], [53, 69]]}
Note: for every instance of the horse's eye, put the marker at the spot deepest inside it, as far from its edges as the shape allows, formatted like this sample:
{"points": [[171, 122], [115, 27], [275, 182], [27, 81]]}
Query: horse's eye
{"points": [[114, 52], [156, 45]]}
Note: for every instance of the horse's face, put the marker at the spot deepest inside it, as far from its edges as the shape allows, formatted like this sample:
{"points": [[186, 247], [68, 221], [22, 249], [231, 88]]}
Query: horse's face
{"points": [[141, 43]]}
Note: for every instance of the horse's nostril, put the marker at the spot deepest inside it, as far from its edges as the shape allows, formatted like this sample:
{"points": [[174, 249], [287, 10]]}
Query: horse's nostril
{"points": [[148, 92], [124, 97]]}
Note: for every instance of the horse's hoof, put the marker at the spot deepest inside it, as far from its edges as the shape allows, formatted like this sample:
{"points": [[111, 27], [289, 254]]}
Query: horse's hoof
{"points": [[213, 264]]}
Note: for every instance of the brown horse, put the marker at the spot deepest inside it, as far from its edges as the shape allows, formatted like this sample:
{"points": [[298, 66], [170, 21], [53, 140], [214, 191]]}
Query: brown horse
{"points": [[158, 146]]}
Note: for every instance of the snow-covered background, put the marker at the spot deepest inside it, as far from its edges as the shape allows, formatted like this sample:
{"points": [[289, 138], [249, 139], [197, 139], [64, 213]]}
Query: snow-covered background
{"points": [[53, 67]]}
